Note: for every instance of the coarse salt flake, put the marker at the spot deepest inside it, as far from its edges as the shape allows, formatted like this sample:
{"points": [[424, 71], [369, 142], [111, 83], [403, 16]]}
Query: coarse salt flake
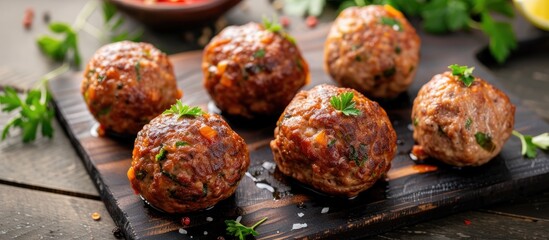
{"points": [[325, 210], [182, 231], [209, 219], [300, 214], [299, 226], [268, 165], [205, 232]]}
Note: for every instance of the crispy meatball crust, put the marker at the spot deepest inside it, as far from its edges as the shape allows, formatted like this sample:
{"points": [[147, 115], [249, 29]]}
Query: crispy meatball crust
{"points": [[187, 164], [336, 154], [365, 52], [250, 71], [127, 84], [447, 115]]}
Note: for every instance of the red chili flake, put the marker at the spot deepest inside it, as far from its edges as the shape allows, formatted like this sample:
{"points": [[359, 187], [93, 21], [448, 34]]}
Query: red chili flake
{"points": [[311, 21], [285, 21], [467, 222], [28, 17], [185, 221]]}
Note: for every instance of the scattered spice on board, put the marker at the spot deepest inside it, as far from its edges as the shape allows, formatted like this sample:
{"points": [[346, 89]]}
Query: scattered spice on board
{"points": [[467, 222], [185, 221], [96, 216]]}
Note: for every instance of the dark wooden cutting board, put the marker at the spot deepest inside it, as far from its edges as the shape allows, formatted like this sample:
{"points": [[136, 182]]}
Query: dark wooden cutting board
{"points": [[389, 204]]}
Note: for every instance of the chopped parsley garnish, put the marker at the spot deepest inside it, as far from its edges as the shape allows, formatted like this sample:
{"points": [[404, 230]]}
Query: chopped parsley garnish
{"points": [[389, 72], [100, 78], [181, 110], [416, 121], [161, 154], [236, 229], [529, 143], [468, 123], [485, 141], [181, 143], [398, 50], [137, 70], [344, 103], [259, 53], [358, 58], [391, 22], [464, 73], [275, 27]]}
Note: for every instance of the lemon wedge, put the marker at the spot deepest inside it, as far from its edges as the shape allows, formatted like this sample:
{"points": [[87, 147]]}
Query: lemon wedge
{"points": [[536, 11]]}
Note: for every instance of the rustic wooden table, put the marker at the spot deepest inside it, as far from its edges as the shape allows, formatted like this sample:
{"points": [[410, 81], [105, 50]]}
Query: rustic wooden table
{"points": [[46, 192]]}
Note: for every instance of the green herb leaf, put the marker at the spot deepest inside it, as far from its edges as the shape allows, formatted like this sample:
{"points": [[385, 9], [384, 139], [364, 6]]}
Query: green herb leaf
{"points": [[138, 70], [344, 103], [161, 154], [485, 141], [529, 143], [181, 110], [259, 53], [236, 229], [275, 27], [34, 112], [502, 37], [468, 123], [58, 49], [464, 73], [391, 22], [181, 143]]}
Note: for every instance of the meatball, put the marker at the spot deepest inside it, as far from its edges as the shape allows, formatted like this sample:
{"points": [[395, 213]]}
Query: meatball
{"points": [[184, 163], [251, 71], [460, 125], [127, 84], [372, 49], [335, 153]]}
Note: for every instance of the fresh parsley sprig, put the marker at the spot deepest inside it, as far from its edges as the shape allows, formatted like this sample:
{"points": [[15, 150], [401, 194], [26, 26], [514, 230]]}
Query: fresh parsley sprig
{"points": [[344, 103], [236, 229], [181, 110], [530, 144], [464, 73], [275, 27]]}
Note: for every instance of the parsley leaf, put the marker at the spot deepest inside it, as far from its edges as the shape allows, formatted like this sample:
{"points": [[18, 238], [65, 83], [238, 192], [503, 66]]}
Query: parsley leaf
{"points": [[236, 229], [58, 49], [529, 143], [181, 110], [34, 112], [485, 141], [391, 22], [464, 73], [259, 53], [275, 27], [344, 103], [181, 143], [502, 37], [161, 154]]}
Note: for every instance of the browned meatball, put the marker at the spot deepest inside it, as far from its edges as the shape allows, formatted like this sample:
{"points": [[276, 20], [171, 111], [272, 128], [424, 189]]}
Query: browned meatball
{"points": [[187, 163], [127, 84], [335, 153], [250, 71], [460, 125], [372, 49]]}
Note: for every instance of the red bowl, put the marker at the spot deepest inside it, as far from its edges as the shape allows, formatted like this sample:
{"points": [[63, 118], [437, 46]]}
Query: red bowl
{"points": [[168, 15]]}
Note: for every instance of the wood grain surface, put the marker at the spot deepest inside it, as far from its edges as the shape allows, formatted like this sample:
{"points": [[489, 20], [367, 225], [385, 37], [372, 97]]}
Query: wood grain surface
{"points": [[53, 218], [387, 205]]}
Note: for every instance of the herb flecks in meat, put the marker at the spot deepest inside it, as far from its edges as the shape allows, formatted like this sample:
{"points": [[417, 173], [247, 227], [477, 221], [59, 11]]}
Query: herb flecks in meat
{"points": [[485, 141], [161, 154], [181, 143], [464, 73], [391, 22], [182, 110], [529, 143], [236, 229], [259, 53], [345, 104], [359, 156], [468, 123], [138, 70]]}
